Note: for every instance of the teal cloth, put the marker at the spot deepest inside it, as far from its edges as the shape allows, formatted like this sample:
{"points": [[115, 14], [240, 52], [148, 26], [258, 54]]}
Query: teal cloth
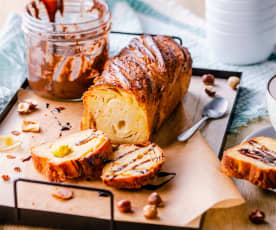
{"points": [[142, 16]]}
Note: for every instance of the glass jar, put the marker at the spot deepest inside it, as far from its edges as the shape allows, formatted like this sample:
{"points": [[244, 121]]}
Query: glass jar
{"points": [[66, 55]]}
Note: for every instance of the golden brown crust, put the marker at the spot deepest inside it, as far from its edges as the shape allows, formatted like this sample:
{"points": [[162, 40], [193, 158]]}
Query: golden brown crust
{"points": [[90, 165], [138, 181], [155, 69], [264, 177]]}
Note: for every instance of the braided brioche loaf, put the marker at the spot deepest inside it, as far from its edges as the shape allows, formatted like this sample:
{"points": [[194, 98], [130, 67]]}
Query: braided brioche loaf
{"points": [[138, 89]]}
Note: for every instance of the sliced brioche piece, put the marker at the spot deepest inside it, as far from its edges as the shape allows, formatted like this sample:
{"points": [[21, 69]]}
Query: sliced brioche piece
{"points": [[133, 166], [253, 160], [80, 154]]}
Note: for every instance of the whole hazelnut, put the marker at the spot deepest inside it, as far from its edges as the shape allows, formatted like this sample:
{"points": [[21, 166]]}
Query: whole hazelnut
{"points": [[210, 91], [5, 177], [233, 82], [155, 199], [257, 216], [124, 206], [150, 211], [208, 79]]}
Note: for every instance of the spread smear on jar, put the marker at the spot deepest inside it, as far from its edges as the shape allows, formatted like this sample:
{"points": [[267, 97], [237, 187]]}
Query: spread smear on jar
{"points": [[67, 45]]}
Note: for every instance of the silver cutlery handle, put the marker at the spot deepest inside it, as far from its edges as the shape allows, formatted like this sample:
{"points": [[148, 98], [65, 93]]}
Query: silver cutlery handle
{"points": [[191, 131]]}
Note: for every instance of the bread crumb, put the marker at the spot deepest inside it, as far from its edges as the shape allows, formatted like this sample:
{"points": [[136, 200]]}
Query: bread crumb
{"points": [[5, 177], [10, 156], [17, 169]]}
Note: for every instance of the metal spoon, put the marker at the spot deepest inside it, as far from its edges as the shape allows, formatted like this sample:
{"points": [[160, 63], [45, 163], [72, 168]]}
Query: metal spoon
{"points": [[213, 110]]}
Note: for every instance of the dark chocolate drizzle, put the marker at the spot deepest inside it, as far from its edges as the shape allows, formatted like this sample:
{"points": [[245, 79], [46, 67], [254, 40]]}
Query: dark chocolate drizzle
{"points": [[152, 187], [36, 10], [143, 162], [59, 109], [52, 7], [86, 140], [124, 154], [260, 153], [66, 126], [103, 194], [63, 127], [27, 158], [135, 166], [144, 171]]}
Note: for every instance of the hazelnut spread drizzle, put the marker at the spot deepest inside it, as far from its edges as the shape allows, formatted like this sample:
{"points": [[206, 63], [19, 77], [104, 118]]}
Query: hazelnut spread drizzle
{"points": [[260, 152], [130, 164], [52, 7], [131, 151], [135, 166], [86, 140], [124, 154], [27, 159], [103, 194], [36, 10], [161, 175]]}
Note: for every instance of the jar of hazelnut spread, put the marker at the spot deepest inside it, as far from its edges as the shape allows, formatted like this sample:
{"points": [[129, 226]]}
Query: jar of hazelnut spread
{"points": [[67, 45]]}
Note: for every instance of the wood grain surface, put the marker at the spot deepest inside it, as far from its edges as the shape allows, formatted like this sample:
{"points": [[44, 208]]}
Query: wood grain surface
{"points": [[234, 218]]}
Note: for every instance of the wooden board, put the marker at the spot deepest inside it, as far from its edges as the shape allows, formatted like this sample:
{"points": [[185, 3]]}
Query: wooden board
{"points": [[180, 119]]}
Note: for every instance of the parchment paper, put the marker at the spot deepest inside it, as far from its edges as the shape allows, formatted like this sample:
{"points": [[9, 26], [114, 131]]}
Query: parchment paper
{"points": [[198, 186]]}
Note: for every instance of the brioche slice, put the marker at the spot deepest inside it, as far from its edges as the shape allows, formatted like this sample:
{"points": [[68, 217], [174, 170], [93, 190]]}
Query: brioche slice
{"points": [[253, 160], [133, 166], [80, 154]]}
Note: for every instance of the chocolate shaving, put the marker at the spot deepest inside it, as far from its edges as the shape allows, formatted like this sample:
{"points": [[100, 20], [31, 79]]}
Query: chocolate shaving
{"points": [[59, 109], [103, 194], [47, 105], [27, 158], [17, 169], [66, 126], [5, 177]]}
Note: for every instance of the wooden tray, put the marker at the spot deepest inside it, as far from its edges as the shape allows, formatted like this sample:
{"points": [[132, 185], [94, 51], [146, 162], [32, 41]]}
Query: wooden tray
{"points": [[195, 99]]}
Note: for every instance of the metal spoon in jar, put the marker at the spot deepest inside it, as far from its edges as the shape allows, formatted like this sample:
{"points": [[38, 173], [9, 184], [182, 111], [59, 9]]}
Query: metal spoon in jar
{"points": [[213, 110]]}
